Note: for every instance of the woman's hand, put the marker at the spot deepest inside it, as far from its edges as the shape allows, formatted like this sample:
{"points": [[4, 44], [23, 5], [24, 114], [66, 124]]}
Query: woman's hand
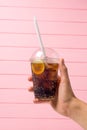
{"points": [[64, 93]]}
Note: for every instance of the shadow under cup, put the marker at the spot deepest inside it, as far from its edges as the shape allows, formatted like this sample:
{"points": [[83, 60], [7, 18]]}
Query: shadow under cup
{"points": [[45, 77]]}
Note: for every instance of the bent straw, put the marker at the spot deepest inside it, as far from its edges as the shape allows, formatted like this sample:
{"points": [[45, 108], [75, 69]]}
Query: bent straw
{"points": [[39, 36]]}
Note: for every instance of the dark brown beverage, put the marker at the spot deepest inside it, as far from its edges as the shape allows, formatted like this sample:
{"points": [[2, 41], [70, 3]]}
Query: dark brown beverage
{"points": [[45, 80]]}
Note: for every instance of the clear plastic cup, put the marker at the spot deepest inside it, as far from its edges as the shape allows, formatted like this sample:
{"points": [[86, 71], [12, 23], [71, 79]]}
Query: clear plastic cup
{"points": [[45, 73]]}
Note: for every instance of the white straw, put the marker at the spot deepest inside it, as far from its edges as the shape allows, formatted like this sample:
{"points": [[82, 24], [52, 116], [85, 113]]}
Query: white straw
{"points": [[39, 36]]}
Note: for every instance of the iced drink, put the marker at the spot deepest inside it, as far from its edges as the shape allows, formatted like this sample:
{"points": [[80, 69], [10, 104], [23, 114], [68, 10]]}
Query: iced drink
{"points": [[45, 77]]}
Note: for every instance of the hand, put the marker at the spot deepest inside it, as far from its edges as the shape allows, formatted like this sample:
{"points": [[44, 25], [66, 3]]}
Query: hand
{"points": [[65, 101], [64, 94]]}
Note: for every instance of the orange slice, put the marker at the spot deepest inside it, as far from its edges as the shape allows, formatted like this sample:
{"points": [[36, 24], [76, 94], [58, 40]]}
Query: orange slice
{"points": [[38, 67]]}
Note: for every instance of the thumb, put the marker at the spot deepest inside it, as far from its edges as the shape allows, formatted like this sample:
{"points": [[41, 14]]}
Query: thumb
{"points": [[63, 70]]}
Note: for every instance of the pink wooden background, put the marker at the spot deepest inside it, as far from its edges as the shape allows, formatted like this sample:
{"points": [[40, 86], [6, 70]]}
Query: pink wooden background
{"points": [[63, 26]]}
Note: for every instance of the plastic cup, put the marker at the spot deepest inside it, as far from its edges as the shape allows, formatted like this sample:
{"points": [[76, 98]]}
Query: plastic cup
{"points": [[44, 73]]}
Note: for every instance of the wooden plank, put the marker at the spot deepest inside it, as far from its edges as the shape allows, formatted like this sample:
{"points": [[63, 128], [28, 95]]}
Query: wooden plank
{"points": [[38, 124], [24, 54], [22, 96], [41, 13], [46, 4], [55, 28], [21, 82], [29, 41]]}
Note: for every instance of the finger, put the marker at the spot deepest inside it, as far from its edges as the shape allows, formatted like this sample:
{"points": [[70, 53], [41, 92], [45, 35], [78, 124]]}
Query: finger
{"points": [[30, 78], [31, 89], [36, 100], [63, 69]]}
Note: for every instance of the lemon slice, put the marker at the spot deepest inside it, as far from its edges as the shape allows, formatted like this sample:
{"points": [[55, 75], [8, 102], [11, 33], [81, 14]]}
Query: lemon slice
{"points": [[38, 67]]}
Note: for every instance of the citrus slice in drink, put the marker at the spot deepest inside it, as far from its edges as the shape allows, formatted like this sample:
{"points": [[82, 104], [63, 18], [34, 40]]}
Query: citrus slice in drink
{"points": [[38, 67]]}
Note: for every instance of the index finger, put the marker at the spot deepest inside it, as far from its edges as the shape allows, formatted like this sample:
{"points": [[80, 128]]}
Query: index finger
{"points": [[30, 78]]}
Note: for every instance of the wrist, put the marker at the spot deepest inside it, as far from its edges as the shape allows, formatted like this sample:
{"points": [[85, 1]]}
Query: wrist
{"points": [[78, 112], [74, 108]]}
